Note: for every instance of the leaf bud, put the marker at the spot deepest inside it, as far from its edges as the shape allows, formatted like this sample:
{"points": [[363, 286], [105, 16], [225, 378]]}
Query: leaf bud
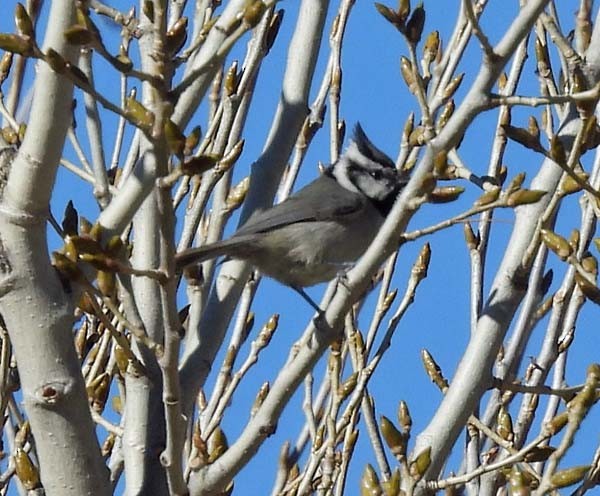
{"points": [[433, 370], [414, 26], [395, 439], [26, 471], [175, 138], [139, 115], [404, 417], [176, 36], [253, 12], [446, 194], [525, 197], [192, 140], [452, 86], [569, 476], [556, 243], [16, 44], [369, 483], [420, 464], [23, 21], [431, 47], [409, 74]]}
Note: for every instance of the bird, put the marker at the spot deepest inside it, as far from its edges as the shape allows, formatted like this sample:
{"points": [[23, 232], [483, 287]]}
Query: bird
{"points": [[323, 228]]}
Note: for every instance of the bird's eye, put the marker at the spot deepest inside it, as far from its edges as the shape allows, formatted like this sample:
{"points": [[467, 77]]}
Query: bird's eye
{"points": [[377, 175]]}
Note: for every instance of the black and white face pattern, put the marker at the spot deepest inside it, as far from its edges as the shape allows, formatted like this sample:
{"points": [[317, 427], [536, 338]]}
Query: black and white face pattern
{"points": [[365, 169]]}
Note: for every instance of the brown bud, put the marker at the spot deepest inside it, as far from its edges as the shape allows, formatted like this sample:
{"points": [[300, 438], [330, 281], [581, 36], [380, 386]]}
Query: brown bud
{"points": [[419, 269], [574, 239], [266, 333], [260, 398], [557, 150], [523, 137], [26, 471], [192, 140], [67, 267], [590, 264], [542, 56], [117, 404], [533, 127], [539, 454], [516, 183], [488, 197], [9, 135], [108, 444], [395, 439], [504, 425], [391, 486], [470, 238], [237, 194], [122, 62], [56, 61], [502, 81], [5, 65], [409, 74], [418, 136], [122, 359], [175, 138], [139, 115], [70, 220], [348, 386], [420, 464], [579, 83], [369, 483], [446, 194], [199, 164], [404, 417], [431, 47], [23, 21], [556, 243], [78, 35], [107, 283], [232, 155], [148, 9], [388, 300], [556, 424], [414, 26], [569, 185], [433, 370], [589, 290], [403, 9], [16, 44], [390, 15], [115, 247], [319, 437], [176, 36], [408, 126], [253, 12], [525, 197], [274, 25], [217, 444], [445, 114], [569, 476], [453, 85]]}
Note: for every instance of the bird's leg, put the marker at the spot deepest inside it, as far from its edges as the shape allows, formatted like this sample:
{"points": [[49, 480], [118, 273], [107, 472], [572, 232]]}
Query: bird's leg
{"points": [[308, 299], [341, 277]]}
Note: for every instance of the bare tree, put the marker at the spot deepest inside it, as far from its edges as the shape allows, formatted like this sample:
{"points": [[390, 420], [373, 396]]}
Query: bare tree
{"points": [[102, 316]]}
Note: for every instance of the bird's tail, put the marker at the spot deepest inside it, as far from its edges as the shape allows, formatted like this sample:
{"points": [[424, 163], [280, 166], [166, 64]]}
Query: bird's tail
{"points": [[213, 250]]}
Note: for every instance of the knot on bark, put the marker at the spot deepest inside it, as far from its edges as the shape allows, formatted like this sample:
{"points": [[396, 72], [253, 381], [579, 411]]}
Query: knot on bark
{"points": [[53, 392]]}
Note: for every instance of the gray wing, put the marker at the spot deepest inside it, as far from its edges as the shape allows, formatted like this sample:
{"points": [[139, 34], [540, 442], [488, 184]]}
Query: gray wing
{"points": [[322, 199]]}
